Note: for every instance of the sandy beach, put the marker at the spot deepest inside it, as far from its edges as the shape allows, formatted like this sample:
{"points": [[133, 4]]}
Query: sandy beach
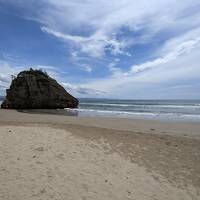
{"points": [[61, 157]]}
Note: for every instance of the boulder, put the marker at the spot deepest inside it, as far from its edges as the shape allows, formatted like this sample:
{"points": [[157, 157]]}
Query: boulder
{"points": [[34, 89]]}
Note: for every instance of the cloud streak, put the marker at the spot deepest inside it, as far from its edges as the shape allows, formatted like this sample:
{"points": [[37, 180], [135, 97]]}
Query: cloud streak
{"points": [[111, 32], [94, 46], [81, 90], [181, 49], [94, 27], [178, 66]]}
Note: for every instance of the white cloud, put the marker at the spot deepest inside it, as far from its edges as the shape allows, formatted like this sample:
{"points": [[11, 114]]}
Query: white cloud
{"points": [[178, 66], [173, 49], [6, 71], [94, 46], [115, 71], [80, 61], [101, 22], [81, 90], [93, 27], [96, 27], [4, 78], [46, 67], [86, 68]]}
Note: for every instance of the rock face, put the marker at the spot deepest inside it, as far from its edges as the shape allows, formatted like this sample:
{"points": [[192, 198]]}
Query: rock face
{"points": [[34, 89]]}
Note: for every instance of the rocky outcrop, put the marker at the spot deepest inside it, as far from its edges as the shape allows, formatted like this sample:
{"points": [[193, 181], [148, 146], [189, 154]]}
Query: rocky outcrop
{"points": [[34, 89]]}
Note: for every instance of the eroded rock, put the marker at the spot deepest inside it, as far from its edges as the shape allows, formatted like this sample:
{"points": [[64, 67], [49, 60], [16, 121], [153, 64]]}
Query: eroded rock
{"points": [[35, 89]]}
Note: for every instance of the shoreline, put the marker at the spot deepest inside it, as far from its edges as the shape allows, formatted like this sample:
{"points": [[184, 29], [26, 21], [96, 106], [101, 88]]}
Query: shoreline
{"points": [[169, 117], [179, 110], [176, 128], [59, 157]]}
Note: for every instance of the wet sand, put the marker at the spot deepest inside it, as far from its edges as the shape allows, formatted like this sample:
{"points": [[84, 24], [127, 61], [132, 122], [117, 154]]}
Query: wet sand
{"points": [[59, 157]]}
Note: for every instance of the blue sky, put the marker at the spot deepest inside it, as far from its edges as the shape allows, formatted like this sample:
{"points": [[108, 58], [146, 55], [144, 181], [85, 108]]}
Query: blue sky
{"points": [[109, 49]]}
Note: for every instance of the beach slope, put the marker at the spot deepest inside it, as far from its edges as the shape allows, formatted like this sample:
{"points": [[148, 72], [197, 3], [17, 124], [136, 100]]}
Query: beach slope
{"points": [[59, 157]]}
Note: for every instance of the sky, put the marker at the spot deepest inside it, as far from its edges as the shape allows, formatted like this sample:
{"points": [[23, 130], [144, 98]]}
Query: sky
{"points": [[123, 49]]}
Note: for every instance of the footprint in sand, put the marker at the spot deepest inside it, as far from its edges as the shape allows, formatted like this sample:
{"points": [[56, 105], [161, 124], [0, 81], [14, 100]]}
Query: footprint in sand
{"points": [[39, 149], [60, 156]]}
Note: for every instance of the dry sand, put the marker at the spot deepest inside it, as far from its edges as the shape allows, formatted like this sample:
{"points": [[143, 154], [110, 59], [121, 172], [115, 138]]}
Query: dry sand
{"points": [[57, 157]]}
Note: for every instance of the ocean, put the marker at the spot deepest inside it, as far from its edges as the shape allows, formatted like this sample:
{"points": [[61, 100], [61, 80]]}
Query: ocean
{"points": [[153, 109], [188, 110]]}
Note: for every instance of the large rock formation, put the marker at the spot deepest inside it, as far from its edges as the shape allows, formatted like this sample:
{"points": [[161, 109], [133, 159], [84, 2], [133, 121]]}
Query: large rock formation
{"points": [[34, 89]]}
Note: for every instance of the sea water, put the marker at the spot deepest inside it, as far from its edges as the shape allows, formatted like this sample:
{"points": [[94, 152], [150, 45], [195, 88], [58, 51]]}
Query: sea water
{"points": [[158, 109], [146, 109]]}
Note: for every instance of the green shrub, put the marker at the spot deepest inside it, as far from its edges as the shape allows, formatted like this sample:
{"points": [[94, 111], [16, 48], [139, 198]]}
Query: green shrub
{"points": [[34, 72]]}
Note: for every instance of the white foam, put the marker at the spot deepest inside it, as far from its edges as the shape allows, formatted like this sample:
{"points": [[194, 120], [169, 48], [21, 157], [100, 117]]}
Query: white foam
{"points": [[107, 111], [142, 105], [139, 114], [107, 104]]}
